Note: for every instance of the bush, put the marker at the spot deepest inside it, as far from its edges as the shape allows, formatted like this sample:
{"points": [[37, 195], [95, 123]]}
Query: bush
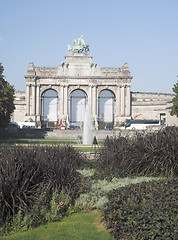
{"points": [[95, 193], [143, 211], [29, 177], [154, 154]]}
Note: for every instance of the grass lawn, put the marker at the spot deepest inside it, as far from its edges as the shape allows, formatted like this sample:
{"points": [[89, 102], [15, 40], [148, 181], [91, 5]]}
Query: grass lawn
{"points": [[87, 149], [39, 141], [79, 226], [51, 142]]}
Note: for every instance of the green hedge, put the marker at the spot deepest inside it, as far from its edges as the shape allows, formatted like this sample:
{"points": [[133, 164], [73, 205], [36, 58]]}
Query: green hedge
{"points": [[144, 211]]}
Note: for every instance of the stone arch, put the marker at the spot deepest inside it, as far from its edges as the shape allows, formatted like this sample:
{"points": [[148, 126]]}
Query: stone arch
{"points": [[106, 99], [49, 105], [48, 87], [77, 103], [78, 87]]}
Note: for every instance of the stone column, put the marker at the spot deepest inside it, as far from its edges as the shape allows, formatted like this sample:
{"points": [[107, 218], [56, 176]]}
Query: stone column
{"points": [[90, 97], [94, 105], [66, 100], [123, 101], [94, 101], [33, 100], [38, 100], [28, 99], [127, 101], [62, 101], [118, 102]]}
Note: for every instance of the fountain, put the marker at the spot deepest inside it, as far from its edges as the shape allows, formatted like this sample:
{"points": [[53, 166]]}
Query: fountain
{"points": [[87, 128]]}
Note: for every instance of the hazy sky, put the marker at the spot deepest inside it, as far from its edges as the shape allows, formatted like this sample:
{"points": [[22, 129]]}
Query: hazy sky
{"points": [[143, 33]]}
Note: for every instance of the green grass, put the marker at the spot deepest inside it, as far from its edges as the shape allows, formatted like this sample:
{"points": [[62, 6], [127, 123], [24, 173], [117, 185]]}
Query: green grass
{"points": [[39, 141], [51, 142], [86, 149], [44, 141], [79, 226]]}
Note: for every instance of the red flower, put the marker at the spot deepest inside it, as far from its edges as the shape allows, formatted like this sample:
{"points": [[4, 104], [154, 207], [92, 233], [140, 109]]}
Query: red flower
{"points": [[61, 203]]}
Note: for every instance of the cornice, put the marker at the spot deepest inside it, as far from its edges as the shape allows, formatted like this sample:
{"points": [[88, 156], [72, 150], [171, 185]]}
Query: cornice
{"points": [[82, 77]]}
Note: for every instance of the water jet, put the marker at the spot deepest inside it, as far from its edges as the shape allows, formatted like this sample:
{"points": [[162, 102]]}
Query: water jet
{"points": [[87, 127]]}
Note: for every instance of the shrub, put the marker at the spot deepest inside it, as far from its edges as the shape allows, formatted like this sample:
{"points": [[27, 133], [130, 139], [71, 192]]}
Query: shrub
{"points": [[95, 192], [49, 207], [28, 175], [154, 154], [143, 211]]}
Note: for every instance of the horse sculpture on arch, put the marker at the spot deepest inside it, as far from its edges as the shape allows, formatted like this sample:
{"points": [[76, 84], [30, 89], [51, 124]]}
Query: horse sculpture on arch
{"points": [[78, 46]]}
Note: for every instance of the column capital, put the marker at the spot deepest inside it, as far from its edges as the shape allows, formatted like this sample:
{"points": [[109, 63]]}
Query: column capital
{"points": [[32, 84], [124, 85]]}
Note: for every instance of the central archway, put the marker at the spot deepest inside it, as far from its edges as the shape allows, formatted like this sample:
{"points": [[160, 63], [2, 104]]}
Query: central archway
{"points": [[77, 104], [50, 106], [106, 107]]}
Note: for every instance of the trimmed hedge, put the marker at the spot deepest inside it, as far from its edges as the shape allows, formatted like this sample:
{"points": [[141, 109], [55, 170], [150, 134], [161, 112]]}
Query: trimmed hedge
{"points": [[144, 211], [154, 154]]}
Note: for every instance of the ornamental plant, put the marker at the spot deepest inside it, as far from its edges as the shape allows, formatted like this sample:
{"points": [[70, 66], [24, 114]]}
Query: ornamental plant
{"points": [[143, 211], [154, 154], [33, 179]]}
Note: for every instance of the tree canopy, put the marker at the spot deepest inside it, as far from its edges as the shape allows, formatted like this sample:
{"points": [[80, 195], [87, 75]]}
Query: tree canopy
{"points": [[174, 110], [7, 106]]}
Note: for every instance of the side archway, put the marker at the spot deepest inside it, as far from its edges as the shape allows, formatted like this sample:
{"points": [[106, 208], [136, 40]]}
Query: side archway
{"points": [[106, 99], [77, 104], [50, 105]]}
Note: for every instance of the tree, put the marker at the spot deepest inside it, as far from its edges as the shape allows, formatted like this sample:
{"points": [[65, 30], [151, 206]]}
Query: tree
{"points": [[174, 110], [7, 95]]}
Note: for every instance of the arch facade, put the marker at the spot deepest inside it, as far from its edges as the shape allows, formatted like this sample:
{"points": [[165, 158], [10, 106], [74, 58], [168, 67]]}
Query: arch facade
{"points": [[77, 104], [78, 73], [49, 105], [106, 102]]}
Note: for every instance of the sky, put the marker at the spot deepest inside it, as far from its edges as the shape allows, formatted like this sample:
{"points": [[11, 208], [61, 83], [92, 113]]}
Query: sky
{"points": [[143, 33]]}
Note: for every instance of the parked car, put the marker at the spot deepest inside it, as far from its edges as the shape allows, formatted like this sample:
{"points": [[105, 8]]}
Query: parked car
{"points": [[24, 127], [108, 128], [61, 127], [73, 127]]}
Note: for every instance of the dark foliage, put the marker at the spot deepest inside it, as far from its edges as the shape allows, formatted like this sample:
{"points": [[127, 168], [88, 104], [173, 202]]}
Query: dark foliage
{"points": [[153, 154], [7, 93], [144, 211], [174, 110], [27, 173]]}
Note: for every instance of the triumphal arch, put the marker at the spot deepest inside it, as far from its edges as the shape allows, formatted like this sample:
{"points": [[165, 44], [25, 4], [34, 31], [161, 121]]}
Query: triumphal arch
{"points": [[60, 94]]}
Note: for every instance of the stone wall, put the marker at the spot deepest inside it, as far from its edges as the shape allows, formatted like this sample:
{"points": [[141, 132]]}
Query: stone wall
{"points": [[20, 107], [153, 106]]}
